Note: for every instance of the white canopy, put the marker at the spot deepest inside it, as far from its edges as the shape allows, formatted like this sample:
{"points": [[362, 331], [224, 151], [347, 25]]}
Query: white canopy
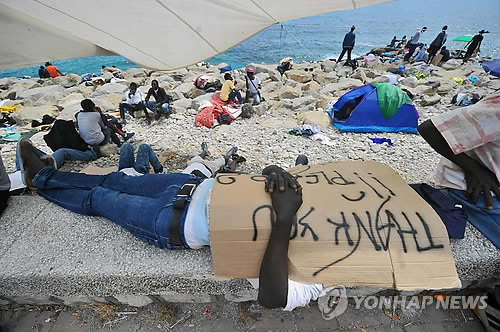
{"points": [[157, 34]]}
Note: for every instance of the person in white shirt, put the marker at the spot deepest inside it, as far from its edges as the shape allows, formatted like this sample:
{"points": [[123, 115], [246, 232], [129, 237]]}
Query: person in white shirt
{"points": [[133, 101], [253, 84]]}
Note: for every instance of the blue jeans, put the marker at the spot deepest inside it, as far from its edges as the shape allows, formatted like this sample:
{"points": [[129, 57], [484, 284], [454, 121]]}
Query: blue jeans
{"points": [[486, 221], [63, 154], [235, 94], [255, 97], [145, 156], [140, 204], [150, 105]]}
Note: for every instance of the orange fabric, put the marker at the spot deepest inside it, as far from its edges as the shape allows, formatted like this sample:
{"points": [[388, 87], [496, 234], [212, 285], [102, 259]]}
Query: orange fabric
{"points": [[52, 71], [207, 115]]}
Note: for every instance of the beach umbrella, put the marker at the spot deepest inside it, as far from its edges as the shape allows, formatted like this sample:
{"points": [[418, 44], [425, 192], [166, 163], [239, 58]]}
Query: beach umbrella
{"points": [[156, 34], [231, 66], [465, 39], [492, 67]]}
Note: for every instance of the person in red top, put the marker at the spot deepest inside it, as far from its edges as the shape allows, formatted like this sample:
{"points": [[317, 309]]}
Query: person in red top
{"points": [[53, 70]]}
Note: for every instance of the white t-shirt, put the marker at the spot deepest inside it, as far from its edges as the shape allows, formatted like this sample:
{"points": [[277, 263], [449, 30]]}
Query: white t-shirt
{"points": [[475, 131], [136, 98], [252, 87]]}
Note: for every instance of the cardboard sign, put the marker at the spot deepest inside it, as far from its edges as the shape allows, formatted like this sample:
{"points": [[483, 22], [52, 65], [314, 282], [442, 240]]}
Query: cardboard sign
{"points": [[360, 224]]}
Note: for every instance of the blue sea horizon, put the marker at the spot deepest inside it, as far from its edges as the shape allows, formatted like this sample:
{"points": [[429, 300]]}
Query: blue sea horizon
{"points": [[320, 37]]}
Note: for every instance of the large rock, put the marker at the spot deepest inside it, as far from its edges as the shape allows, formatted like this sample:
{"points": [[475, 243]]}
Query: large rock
{"points": [[328, 66], [67, 81], [288, 92], [24, 115], [201, 100], [194, 92], [319, 119], [135, 72], [7, 82], [109, 102], [322, 100], [409, 81], [183, 88], [302, 104], [313, 85], [14, 88], [180, 105], [72, 97], [110, 88], [69, 111], [299, 76], [86, 91], [48, 95], [330, 78], [451, 64], [423, 89], [430, 100], [344, 71], [446, 86], [343, 84], [359, 74], [262, 108]]}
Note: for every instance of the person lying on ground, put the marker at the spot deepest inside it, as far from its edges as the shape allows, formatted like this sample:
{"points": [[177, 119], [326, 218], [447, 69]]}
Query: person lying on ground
{"points": [[170, 211], [95, 129], [468, 139], [160, 104], [228, 91], [253, 84], [133, 101]]}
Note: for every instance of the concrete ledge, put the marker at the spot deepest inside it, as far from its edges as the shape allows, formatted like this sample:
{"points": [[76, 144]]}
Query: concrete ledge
{"points": [[51, 255]]}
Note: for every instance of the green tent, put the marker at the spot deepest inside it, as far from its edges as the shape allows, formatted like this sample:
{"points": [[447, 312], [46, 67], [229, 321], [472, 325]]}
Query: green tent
{"points": [[465, 39]]}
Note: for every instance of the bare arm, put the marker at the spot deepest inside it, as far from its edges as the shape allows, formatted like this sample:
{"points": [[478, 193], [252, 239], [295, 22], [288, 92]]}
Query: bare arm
{"points": [[273, 278], [478, 178]]}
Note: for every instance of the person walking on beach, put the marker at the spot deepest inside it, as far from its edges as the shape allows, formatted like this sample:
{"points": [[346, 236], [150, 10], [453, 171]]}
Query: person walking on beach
{"points": [[413, 43], [52, 70], [348, 44], [474, 44], [437, 43]]}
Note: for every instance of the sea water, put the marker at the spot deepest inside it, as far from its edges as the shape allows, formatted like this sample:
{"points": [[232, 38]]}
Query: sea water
{"points": [[320, 37]]}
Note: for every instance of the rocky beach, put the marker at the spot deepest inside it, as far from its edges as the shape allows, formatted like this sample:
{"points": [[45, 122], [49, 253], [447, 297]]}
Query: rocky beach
{"points": [[297, 98]]}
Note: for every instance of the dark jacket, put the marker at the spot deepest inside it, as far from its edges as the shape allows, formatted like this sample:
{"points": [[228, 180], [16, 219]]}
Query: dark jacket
{"points": [[160, 95], [349, 40]]}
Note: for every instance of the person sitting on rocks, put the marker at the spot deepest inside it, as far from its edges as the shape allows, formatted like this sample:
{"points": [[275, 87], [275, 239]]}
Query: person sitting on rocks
{"points": [[160, 104], [402, 42], [133, 101], [170, 211], [445, 53], [43, 73], [253, 84], [52, 70], [94, 127], [468, 139], [392, 44], [228, 91]]}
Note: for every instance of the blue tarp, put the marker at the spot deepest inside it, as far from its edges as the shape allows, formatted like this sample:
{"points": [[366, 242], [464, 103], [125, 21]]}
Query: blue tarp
{"points": [[492, 67], [368, 117], [231, 66]]}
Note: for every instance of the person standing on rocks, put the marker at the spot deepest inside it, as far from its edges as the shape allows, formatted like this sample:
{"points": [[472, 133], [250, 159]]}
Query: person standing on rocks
{"points": [[437, 43], [348, 44], [468, 139], [228, 91], [413, 43], [474, 44], [134, 101], [160, 105]]}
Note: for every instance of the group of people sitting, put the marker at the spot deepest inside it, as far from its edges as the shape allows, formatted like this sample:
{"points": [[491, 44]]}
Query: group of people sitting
{"points": [[49, 71]]}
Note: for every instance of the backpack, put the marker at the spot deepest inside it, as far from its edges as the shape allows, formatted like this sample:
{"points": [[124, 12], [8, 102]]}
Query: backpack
{"points": [[64, 135], [352, 63]]}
